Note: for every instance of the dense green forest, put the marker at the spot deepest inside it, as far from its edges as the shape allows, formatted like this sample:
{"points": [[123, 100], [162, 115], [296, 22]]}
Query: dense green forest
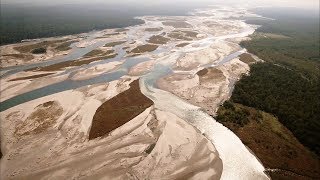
{"points": [[288, 83], [287, 94]]}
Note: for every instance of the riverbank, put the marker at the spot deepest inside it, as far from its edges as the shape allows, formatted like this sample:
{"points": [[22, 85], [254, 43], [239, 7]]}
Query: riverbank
{"points": [[266, 116], [153, 133]]}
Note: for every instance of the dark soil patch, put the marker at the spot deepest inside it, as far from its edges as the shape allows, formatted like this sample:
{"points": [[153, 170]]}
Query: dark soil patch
{"points": [[31, 77], [119, 110]]}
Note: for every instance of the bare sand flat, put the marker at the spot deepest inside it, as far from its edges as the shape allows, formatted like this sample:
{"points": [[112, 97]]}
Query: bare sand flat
{"points": [[145, 146], [141, 68], [208, 87]]}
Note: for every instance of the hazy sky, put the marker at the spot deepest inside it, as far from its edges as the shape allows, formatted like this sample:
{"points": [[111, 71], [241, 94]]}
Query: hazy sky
{"points": [[294, 3]]}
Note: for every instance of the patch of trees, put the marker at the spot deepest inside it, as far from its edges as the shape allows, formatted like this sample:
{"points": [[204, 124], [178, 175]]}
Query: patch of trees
{"points": [[233, 115], [288, 84], [287, 94], [239, 115], [40, 50]]}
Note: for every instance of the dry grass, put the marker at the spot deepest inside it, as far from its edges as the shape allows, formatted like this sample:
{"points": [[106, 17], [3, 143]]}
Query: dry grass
{"points": [[119, 110]]}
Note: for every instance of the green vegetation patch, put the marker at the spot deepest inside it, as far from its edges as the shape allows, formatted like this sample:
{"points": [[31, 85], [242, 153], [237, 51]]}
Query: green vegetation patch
{"points": [[44, 44], [177, 24], [154, 29], [144, 48], [40, 50], [271, 142], [230, 113], [98, 52], [287, 94], [179, 35], [287, 85], [182, 44], [112, 44], [158, 39], [65, 46], [66, 64]]}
